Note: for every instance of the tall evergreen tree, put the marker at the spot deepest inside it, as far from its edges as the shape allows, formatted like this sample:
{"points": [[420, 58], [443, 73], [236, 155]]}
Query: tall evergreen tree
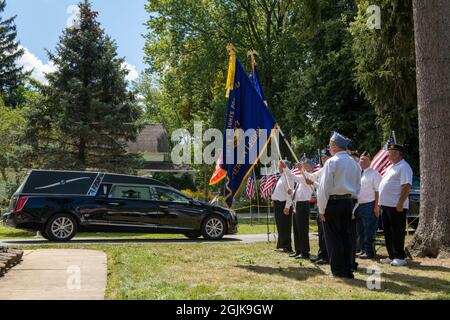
{"points": [[11, 75], [91, 110]]}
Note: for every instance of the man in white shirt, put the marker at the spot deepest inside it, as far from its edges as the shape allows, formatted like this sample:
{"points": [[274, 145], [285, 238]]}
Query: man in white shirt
{"points": [[322, 254], [394, 202], [301, 197], [282, 206], [368, 211], [339, 184]]}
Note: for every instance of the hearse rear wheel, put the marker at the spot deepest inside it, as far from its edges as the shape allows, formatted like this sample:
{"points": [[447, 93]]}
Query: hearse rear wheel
{"points": [[62, 227], [213, 228]]}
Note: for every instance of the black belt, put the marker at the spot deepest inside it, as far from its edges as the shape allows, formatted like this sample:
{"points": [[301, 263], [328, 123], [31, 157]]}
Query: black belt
{"points": [[341, 197]]}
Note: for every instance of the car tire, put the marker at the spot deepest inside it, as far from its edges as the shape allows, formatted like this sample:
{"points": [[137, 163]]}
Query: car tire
{"points": [[193, 236], [213, 228], [45, 235], [62, 227]]}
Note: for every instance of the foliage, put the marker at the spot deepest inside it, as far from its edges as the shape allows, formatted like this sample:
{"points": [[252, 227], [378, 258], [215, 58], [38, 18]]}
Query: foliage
{"points": [[12, 76], [183, 181], [305, 66], [385, 70], [14, 152], [86, 114]]}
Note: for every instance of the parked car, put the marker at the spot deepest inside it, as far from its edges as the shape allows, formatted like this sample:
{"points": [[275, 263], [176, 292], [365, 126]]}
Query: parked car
{"points": [[61, 203]]}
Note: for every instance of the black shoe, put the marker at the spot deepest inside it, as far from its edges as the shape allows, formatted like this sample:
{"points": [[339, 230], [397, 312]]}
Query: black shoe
{"points": [[302, 256], [294, 255], [355, 267], [321, 262], [343, 276], [313, 260]]}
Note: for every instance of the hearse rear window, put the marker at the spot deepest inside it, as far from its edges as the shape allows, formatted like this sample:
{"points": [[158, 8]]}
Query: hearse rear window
{"points": [[130, 192], [166, 195]]}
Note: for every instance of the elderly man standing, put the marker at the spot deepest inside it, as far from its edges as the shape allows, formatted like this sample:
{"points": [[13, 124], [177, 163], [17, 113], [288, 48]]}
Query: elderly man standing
{"points": [[368, 211], [394, 202], [322, 254], [339, 184], [282, 205], [301, 197]]}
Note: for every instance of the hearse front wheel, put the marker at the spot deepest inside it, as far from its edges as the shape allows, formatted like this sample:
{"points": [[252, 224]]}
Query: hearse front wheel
{"points": [[213, 228], [61, 227]]}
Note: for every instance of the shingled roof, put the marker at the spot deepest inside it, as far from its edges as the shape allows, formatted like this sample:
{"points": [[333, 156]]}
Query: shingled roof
{"points": [[153, 138]]}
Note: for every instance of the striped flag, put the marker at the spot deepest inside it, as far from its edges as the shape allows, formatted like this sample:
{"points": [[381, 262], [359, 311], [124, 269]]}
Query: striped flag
{"points": [[251, 187], [262, 183], [318, 166], [269, 185], [381, 161]]}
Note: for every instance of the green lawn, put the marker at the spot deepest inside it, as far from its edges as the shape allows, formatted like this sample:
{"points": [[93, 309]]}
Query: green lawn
{"points": [[245, 227], [254, 271]]}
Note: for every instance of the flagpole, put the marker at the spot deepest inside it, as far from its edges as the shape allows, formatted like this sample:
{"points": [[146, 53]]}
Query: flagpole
{"points": [[256, 192], [251, 220]]}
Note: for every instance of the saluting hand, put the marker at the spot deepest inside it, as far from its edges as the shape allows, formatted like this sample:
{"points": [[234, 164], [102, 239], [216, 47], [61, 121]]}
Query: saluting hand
{"points": [[290, 192]]}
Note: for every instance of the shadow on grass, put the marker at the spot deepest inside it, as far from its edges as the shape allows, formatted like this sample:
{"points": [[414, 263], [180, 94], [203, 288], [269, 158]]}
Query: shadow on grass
{"points": [[295, 273], [408, 283]]}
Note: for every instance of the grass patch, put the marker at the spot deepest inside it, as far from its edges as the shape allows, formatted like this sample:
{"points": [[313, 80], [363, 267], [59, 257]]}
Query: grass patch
{"points": [[245, 227], [162, 271]]}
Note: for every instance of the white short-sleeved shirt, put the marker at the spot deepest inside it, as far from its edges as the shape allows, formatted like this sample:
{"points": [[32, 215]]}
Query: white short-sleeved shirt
{"points": [[303, 192], [370, 182], [391, 184]]}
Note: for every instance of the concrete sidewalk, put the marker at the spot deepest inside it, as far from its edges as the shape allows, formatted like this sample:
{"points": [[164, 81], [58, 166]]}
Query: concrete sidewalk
{"points": [[53, 274]]}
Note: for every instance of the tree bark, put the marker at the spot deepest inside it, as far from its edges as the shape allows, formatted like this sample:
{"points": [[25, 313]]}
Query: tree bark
{"points": [[432, 43]]}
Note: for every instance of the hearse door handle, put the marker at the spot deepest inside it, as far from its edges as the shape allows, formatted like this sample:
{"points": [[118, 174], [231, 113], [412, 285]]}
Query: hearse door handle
{"points": [[116, 204], [163, 207]]}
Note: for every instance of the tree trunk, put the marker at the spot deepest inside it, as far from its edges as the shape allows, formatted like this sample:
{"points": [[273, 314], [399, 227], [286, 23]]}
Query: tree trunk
{"points": [[432, 42]]}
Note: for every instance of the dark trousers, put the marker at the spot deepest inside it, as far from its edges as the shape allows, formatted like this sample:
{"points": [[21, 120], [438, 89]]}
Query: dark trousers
{"points": [[322, 253], [337, 225], [301, 228], [284, 225], [367, 225], [394, 227]]}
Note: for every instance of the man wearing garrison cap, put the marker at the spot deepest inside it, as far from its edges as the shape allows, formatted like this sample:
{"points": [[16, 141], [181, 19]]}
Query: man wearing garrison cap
{"points": [[339, 184], [282, 205], [394, 202]]}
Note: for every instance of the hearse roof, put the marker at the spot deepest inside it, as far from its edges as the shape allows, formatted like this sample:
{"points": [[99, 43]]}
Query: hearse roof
{"points": [[76, 182]]}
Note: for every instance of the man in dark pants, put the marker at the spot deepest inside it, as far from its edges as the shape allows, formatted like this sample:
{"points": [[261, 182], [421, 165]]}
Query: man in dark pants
{"points": [[339, 184], [301, 197], [394, 202], [282, 204], [322, 254]]}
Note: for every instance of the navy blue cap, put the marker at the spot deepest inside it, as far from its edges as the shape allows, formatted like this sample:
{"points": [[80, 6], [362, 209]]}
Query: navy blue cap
{"points": [[340, 140]]}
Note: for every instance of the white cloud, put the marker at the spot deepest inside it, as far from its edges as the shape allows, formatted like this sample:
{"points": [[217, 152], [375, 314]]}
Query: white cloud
{"points": [[133, 74], [30, 62]]}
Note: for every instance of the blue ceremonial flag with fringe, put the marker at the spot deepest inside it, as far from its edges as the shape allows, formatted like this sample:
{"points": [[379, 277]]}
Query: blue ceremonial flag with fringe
{"points": [[246, 110]]}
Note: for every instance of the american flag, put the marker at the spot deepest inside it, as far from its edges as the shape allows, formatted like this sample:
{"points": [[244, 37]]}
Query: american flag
{"points": [[381, 161], [268, 185], [251, 187], [318, 166]]}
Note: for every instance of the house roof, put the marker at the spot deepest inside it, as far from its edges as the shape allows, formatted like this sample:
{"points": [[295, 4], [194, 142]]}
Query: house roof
{"points": [[153, 138]]}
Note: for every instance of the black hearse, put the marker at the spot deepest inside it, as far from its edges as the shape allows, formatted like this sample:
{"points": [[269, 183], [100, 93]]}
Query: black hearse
{"points": [[61, 203]]}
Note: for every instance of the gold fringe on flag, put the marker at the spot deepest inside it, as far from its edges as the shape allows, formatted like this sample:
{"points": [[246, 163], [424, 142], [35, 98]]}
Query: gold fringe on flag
{"points": [[231, 69]]}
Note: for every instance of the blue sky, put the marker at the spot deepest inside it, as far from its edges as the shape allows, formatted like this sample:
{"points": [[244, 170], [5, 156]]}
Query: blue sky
{"points": [[41, 22]]}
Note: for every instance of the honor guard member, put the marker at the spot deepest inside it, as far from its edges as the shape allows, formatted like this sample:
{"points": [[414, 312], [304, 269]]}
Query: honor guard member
{"points": [[394, 202], [301, 196], [322, 254], [368, 211], [282, 205], [339, 184]]}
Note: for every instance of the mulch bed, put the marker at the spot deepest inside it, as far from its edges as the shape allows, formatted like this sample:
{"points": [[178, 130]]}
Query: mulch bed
{"points": [[8, 259]]}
